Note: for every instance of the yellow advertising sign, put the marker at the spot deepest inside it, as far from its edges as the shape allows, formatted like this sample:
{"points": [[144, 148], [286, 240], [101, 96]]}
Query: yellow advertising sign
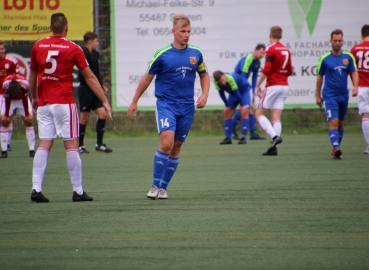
{"points": [[30, 19]]}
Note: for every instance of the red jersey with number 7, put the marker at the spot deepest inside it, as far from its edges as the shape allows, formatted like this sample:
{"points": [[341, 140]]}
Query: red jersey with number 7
{"points": [[278, 65], [54, 58], [361, 54]]}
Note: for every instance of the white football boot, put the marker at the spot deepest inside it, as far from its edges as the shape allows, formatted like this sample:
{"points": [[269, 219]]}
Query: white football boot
{"points": [[162, 194], [153, 193], [366, 151]]}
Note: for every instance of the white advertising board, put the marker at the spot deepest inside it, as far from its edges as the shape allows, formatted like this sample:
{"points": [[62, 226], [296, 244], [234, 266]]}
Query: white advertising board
{"points": [[226, 30]]}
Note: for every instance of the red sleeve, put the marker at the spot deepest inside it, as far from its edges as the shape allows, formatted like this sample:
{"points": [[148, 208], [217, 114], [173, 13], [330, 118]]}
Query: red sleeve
{"points": [[33, 65], [80, 58], [25, 103], [268, 62]]}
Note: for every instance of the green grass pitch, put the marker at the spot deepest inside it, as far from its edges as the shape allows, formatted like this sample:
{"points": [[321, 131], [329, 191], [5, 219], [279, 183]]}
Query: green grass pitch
{"points": [[229, 207]]}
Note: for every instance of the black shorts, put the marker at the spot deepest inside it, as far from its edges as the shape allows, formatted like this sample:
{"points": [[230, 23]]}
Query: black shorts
{"points": [[87, 99]]}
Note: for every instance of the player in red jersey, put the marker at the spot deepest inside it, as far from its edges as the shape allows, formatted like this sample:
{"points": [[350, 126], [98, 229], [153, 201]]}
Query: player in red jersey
{"points": [[277, 68], [361, 54], [8, 66], [51, 87], [16, 101]]}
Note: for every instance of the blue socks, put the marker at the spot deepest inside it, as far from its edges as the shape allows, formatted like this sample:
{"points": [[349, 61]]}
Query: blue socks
{"points": [[245, 125], [160, 164], [236, 118], [334, 137], [252, 124], [340, 132], [169, 172], [228, 128]]}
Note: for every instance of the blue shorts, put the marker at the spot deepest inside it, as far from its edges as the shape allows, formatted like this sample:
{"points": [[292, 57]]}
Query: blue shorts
{"points": [[174, 116], [233, 100], [335, 107]]}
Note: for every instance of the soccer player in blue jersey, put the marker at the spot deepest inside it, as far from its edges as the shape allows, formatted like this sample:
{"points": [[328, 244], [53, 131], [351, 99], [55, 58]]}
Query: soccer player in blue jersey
{"points": [[247, 65], [238, 89], [175, 67], [335, 66]]}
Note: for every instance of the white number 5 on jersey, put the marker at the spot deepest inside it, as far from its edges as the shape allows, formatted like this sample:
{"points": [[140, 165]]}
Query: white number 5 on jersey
{"points": [[51, 60]]}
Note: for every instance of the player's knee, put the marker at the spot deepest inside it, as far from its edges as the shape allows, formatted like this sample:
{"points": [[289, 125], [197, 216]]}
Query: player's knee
{"points": [[28, 121], [5, 122]]}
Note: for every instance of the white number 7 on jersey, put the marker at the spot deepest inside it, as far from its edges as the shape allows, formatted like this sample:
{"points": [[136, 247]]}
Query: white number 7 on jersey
{"points": [[52, 61], [285, 53], [164, 122]]}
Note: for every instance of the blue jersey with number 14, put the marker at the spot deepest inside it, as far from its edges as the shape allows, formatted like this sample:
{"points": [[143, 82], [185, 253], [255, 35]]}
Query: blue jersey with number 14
{"points": [[175, 72]]}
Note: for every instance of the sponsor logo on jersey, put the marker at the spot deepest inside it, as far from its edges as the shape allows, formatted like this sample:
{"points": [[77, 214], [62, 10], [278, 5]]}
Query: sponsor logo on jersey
{"points": [[345, 61], [193, 60], [6, 66]]}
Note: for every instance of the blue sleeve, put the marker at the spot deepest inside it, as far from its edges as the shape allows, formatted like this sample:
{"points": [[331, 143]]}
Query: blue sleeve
{"points": [[155, 66], [352, 65], [223, 97], [238, 68], [254, 79]]}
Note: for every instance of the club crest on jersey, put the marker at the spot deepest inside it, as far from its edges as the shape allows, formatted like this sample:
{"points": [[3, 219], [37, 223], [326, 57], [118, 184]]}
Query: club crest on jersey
{"points": [[6, 66], [193, 60], [345, 61]]}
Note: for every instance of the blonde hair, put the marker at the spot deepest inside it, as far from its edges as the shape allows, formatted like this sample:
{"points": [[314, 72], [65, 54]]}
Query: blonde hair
{"points": [[181, 20], [276, 32]]}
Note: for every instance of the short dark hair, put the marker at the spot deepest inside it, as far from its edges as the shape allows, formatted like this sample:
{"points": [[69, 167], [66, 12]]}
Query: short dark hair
{"points": [[58, 22], [14, 88], [365, 30], [260, 46], [89, 36], [276, 32], [217, 74], [336, 32]]}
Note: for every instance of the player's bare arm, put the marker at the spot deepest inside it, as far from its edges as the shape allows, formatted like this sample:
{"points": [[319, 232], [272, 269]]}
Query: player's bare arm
{"points": [[355, 83], [33, 89], [258, 85], [205, 87], [95, 86], [141, 88], [318, 95]]}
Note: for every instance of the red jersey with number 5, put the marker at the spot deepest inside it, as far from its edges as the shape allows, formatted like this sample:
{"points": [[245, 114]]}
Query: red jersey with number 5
{"points": [[54, 58], [361, 54], [278, 65]]}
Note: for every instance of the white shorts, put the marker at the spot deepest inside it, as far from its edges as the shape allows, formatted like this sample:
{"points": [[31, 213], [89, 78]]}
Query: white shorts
{"points": [[16, 107], [363, 99], [58, 120], [273, 97]]}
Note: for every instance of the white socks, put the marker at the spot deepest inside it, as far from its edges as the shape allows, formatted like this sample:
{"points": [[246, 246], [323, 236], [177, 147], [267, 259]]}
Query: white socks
{"points": [[4, 138], [365, 128], [39, 166], [277, 125], [31, 137], [10, 132], [74, 165], [267, 126]]}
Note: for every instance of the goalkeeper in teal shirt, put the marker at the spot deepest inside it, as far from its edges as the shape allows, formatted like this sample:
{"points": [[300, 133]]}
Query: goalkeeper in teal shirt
{"points": [[247, 65]]}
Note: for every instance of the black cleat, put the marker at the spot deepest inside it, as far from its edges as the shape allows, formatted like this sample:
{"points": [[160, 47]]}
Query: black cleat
{"points": [[274, 152], [242, 141], [82, 150], [81, 198], [32, 153], [336, 153], [226, 141], [257, 137], [4, 154], [37, 197], [276, 140], [103, 148], [9, 149]]}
